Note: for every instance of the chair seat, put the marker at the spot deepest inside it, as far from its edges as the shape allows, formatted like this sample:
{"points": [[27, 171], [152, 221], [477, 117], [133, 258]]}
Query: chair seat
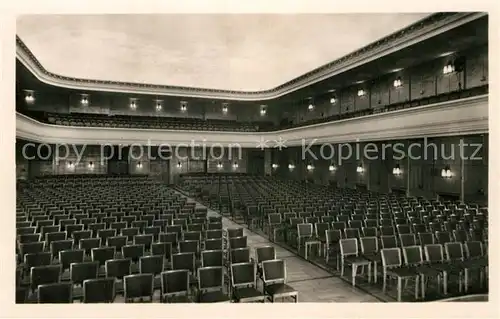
{"points": [[427, 271], [449, 268], [402, 272], [476, 263], [213, 296], [356, 260], [248, 294], [374, 257], [280, 290], [179, 299]]}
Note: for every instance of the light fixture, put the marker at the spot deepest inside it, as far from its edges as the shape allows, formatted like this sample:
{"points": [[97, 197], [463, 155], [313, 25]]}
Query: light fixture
{"points": [[158, 105], [360, 169], [219, 165], [448, 68], [397, 82], [361, 92], [91, 165], [179, 165], [235, 165], [133, 104], [310, 167], [263, 110], [310, 107], [139, 164], [184, 105], [29, 96], [332, 168], [274, 166], [446, 172], [224, 108], [85, 99], [333, 100], [291, 166], [396, 170], [70, 164]]}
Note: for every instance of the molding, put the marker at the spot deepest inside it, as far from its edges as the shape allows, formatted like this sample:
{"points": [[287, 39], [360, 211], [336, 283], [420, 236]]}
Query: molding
{"points": [[452, 118], [424, 29]]}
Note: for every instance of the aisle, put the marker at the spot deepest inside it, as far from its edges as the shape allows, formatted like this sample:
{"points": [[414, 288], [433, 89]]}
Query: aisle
{"points": [[313, 283]]}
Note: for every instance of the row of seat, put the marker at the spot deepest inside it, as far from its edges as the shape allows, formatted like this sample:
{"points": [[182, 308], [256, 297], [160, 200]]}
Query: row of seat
{"points": [[87, 246], [305, 216]]}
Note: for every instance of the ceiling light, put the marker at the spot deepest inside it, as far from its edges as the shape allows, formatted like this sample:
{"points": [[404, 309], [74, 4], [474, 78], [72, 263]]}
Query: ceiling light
{"points": [[291, 166], [219, 165], [333, 100], [397, 82], [184, 106], [85, 99], [275, 166], [235, 165], [448, 68], [396, 170], [158, 106], [310, 167], [133, 104], [91, 165], [331, 168], [179, 165], [446, 172], [224, 109], [360, 169], [139, 164], [361, 92], [29, 96], [263, 109], [310, 107]]}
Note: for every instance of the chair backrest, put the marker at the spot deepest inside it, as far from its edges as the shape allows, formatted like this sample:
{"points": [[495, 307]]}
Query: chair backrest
{"points": [[351, 232], [474, 249], [79, 272], [320, 229], [213, 244], [189, 246], [151, 264], [101, 290], [349, 247], [413, 255], [369, 245], [138, 285], [238, 242], [304, 230], [162, 249], [407, 240], [133, 251], [210, 278], [443, 237], [213, 234], [391, 257], [175, 282], [183, 261], [61, 292], [102, 254], [169, 238], [265, 253], [454, 251], [388, 241], [234, 232], [118, 268], [117, 241], [191, 235], [425, 239], [333, 236], [434, 253], [239, 255], [243, 274], [67, 257], [44, 275], [274, 271], [212, 258]]}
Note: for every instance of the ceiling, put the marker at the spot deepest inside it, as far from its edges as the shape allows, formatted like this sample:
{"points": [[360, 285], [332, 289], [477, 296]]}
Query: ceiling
{"points": [[226, 52]]}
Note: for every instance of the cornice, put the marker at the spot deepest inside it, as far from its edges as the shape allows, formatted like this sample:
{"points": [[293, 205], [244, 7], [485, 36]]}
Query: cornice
{"points": [[426, 28]]}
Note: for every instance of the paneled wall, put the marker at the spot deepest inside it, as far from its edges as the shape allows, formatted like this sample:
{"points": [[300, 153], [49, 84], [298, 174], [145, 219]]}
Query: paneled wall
{"points": [[417, 82], [420, 162]]}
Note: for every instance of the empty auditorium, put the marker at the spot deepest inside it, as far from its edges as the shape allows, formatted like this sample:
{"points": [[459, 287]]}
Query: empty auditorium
{"points": [[251, 158]]}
